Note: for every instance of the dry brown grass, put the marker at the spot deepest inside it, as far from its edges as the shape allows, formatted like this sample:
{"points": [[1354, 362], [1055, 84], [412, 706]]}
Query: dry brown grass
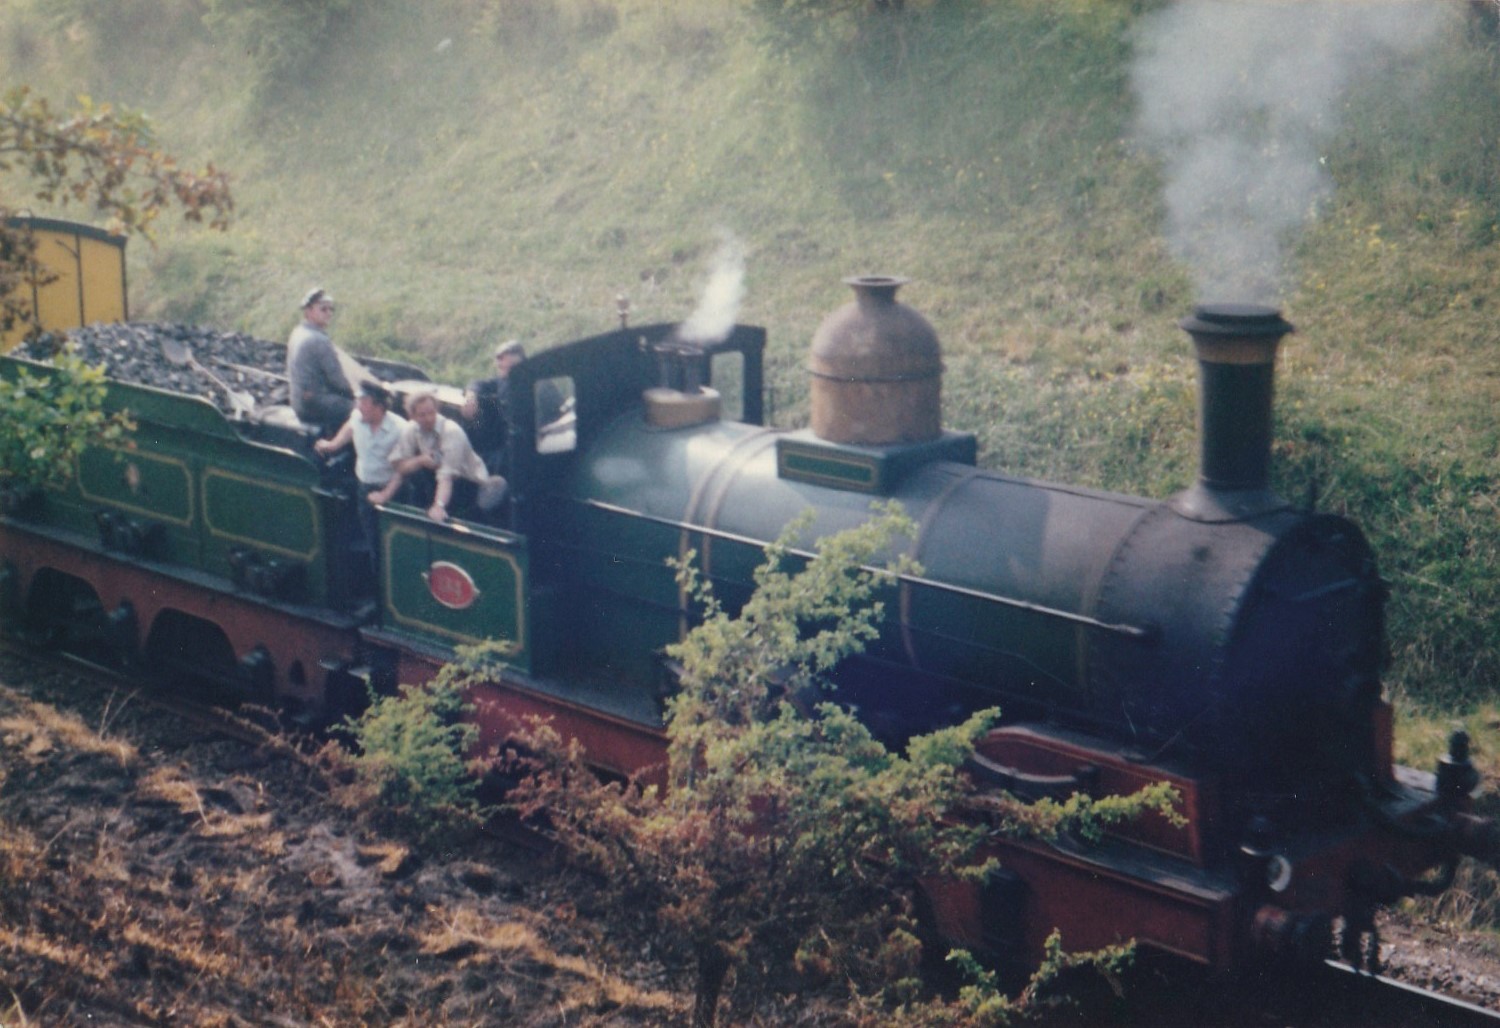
{"points": [[517, 946], [35, 730], [137, 889]]}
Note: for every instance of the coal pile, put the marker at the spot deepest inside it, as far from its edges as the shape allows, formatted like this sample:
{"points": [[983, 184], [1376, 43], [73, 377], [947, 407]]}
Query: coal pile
{"points": [[140, 353]]}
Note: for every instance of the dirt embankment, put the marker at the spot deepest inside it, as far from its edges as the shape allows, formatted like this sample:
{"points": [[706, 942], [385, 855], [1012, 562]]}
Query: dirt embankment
{"points": [[150, 879]]}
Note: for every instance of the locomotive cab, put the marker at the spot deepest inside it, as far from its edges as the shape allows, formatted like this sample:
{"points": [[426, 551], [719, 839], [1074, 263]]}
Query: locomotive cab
{"points": [[540, 606]]}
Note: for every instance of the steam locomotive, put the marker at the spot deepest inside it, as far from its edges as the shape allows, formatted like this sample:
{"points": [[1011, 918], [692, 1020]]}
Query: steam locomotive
{"points": [[1221, 640]]}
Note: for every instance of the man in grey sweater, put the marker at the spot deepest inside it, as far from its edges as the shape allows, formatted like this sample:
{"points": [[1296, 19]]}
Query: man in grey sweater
{"points": [[320, 393]]}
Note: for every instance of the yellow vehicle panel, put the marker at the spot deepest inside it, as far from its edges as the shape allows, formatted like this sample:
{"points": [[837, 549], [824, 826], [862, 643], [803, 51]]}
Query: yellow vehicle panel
{"points": [[89, 265]]}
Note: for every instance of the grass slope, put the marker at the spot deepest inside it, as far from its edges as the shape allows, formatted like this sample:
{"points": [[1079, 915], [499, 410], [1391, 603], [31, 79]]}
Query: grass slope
{"points": [[463, 171]]}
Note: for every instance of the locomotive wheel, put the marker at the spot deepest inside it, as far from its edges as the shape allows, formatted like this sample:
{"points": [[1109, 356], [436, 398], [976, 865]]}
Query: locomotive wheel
{"points": [[64, 613], [189, 655], [45, 623]]}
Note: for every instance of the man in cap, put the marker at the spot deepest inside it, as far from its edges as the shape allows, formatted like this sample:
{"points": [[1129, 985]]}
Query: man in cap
{"points": [[320, 392], [487, 407]]}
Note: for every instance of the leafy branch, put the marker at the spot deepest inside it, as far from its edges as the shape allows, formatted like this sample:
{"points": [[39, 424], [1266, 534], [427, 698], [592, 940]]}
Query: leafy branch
{"points": [[781, 841], [107, 158], [50, 419], [96, 156]]}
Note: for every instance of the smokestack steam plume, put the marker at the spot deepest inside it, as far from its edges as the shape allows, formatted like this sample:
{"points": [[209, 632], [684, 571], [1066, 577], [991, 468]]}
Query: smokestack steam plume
{"points": [[1239, 99]]}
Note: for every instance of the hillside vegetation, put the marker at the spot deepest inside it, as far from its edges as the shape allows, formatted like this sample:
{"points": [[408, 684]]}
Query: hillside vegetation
{"points": [[462, 171]]}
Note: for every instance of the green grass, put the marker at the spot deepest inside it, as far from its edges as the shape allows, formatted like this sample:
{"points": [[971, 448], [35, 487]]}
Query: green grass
{"points": [[555, 153]]}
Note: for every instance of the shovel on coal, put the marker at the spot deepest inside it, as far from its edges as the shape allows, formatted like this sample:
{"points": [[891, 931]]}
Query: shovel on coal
{"points": [[177, 352]]}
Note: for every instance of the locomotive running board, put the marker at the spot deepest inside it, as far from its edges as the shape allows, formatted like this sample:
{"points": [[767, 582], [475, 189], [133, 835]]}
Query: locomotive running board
{"points": [[620, 729]]}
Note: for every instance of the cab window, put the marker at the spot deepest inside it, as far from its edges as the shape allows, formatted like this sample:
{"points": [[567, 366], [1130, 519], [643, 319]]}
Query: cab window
{"points": [[556, 418]]}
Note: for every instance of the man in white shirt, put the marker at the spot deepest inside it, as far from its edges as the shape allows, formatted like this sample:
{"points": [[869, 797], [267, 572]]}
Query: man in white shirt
{"points": [[432, 445], [374, 431]]}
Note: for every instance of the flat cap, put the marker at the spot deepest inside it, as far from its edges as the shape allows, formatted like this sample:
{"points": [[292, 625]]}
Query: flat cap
{"points": [[313, 295]]}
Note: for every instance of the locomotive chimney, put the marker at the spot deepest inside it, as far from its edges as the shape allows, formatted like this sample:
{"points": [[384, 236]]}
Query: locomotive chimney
{"points": [[1236, 348], [876, 370]]}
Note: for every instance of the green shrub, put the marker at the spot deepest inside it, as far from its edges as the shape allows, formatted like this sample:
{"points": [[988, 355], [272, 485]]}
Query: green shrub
{"points": [[783, 842], [50, 419], [414, 749]]}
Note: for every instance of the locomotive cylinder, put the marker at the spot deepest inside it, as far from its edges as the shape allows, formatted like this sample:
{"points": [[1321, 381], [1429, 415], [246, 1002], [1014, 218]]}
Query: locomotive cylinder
{"points": [[876, 370]]}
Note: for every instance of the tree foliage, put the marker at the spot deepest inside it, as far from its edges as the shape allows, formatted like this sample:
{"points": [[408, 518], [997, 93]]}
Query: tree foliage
{"points": [[413, 750], [106, 160], [782, 842], [50, 418], [99, 157]]}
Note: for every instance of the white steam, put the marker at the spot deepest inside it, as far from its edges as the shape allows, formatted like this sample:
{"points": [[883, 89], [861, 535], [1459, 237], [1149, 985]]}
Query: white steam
{"points": [[1238, 98], [720, 302]]}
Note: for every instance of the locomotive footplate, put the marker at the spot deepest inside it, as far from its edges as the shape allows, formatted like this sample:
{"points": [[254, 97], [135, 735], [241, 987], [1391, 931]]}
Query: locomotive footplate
{"points": [[1199, 890], [620, 727], [1047, 750]]}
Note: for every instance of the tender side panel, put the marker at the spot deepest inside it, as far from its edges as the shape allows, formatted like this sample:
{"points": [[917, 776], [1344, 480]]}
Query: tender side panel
{"points": [[268, 503], [184, 489], [151, 487]]}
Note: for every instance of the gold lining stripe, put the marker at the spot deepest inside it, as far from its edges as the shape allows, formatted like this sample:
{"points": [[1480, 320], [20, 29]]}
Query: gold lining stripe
{"points": [[1238, 351], [179, 464], [791, 453], [303, 494]]}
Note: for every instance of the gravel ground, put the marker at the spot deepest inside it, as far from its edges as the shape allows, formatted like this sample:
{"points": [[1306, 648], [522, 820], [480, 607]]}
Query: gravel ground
{"points": [[1465, 965]]}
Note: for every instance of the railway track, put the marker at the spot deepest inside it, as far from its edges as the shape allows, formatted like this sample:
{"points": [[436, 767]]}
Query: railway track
{"points": [[1165, 994], [1378, 1000]]}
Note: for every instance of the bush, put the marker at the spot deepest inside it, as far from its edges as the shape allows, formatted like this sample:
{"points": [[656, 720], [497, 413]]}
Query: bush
{"points": [[414, 749], [50, 419], [782, 841]]}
